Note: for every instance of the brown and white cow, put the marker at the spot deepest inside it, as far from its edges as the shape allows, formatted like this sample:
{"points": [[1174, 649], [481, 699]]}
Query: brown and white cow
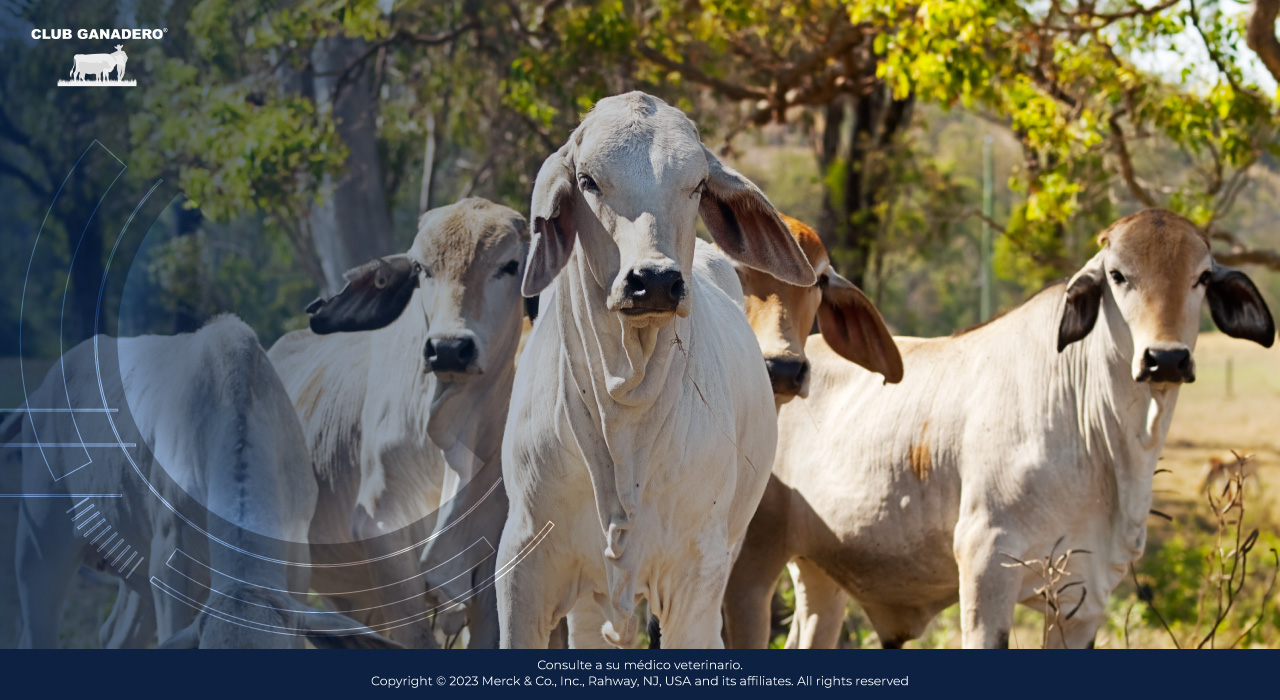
{"points": [[1036, 432], [782, 316]]}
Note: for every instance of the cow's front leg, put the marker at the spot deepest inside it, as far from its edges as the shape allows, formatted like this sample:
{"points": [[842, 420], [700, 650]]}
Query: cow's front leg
{"points": [[397, 581], [45, 560], [749, 594], [988, 587], [585, 622], [533, 582], [690, 615], [132, 622], [820, 606]]}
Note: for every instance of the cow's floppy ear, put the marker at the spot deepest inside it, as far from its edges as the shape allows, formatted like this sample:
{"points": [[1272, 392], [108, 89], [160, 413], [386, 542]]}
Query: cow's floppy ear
{"points": [[1237, 307], [375, 295], [552, 222], [747, 227], [1082, 303], [854, 328]]}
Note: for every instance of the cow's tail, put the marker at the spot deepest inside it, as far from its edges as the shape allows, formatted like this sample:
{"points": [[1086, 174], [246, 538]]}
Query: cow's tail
{"points": [[655, 632]]}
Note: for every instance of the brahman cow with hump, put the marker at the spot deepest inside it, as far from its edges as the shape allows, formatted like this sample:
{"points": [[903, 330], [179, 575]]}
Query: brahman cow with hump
{"points": [[1037, 432], [194, 491], [402, 386], [782, 316], [641, 428]]}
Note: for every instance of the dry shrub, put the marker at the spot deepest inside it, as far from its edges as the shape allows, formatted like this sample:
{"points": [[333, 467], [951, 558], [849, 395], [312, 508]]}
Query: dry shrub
{"points": [[1216, 591]]}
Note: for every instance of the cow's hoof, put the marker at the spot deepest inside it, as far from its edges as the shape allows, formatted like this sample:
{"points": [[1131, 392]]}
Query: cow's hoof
{"points": [[625, 637]]}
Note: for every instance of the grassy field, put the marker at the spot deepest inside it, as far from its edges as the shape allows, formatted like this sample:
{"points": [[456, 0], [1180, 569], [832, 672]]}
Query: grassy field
{"points": [[1214, 417]]}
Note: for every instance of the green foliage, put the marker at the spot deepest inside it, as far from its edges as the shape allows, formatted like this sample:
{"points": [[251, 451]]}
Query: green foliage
{"points": [[1067, 81], [1095, 114], [217, 269], [234, 156]]}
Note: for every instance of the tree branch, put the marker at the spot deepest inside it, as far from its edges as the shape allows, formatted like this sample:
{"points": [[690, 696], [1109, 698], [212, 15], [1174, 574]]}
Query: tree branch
{"points": [[1260, 34], [1135, 10], [1127, 173], [1266, 258], [1240, 254], [697, 75], [400, 35], [1217, 59], [845, 37], [31, 183]]}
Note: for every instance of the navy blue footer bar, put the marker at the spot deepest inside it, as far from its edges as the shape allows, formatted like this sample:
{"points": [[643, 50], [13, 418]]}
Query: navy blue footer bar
{"points": [[569, 674]]}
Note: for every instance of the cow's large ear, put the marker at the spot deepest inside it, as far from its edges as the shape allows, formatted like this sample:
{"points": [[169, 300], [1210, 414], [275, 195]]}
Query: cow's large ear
{"points": [[1082, 303], [747, 227], [854, 328], [375, 295], [552, 227], [1237, 307]]}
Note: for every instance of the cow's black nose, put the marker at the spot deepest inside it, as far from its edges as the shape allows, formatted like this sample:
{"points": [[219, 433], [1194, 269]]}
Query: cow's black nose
{"points": [[787, 376], [652, 289], [1167, 366], [450, 354]]}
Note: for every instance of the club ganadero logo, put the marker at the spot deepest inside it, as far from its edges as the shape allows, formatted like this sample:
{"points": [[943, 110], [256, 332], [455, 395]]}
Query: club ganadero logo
{"points": [[99, 67]]}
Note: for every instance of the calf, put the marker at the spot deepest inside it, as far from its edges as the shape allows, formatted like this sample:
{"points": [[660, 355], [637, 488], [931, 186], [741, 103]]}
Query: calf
{"points": [[196, 494], [782, 315], [402, 386], [1040, 429]]}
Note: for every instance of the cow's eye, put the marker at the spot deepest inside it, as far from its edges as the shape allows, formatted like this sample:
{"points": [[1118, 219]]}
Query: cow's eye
{"points": [[1203, 281], [586, 184], [823, 280], [510, 268], [1117, 277], [700, 189], [419, 269]]}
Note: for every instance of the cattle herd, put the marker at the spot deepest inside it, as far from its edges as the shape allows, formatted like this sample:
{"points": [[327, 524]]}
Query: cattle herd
{"points": [[669, 432]]}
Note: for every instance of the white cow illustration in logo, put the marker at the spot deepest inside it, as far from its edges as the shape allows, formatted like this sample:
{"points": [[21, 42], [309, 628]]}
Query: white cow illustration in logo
{"points": [[99, 64]]}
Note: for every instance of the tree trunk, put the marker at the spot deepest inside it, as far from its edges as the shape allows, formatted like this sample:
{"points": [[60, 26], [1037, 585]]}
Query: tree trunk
{"points": [[850, 223], [428, 165], [829, 155], [84, 233], [352, 224]]}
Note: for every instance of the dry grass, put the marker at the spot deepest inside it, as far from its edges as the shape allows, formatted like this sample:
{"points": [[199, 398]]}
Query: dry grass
{"points": [[1209, 423]]}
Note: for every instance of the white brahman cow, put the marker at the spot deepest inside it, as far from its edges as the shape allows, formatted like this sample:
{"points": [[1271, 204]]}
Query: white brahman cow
{"points": [[402, 386], [187, 478], [641, 427], [1037, 432], [782, 316]]}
